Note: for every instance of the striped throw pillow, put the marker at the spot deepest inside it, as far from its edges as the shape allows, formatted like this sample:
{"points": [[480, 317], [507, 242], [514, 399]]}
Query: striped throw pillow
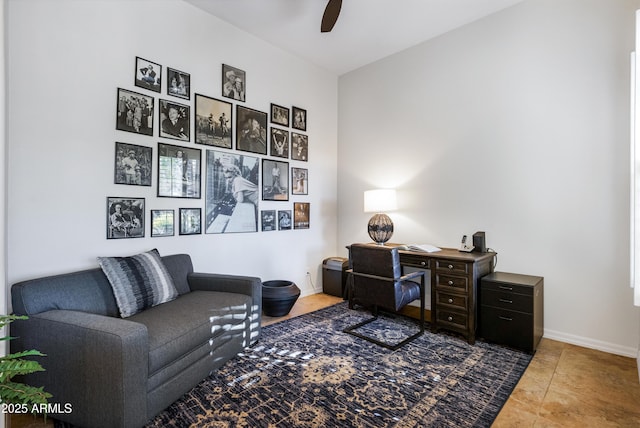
{"points": [[138, 282]]}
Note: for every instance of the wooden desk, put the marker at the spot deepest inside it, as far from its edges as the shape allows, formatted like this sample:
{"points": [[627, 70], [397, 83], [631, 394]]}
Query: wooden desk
{"points": [[455, 279]]}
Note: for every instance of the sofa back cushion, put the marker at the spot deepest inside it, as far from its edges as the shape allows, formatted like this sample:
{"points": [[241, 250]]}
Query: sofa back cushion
{"points": [[85, 291]]}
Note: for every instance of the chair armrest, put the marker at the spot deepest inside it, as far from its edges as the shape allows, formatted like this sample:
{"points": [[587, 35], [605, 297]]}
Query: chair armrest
{"points": [[411, 275], [86, 354], [251, 286]]}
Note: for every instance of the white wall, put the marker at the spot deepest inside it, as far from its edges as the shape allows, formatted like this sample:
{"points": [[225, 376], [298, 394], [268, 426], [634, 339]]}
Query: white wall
{"points": [[66, 59], [517, 125]]}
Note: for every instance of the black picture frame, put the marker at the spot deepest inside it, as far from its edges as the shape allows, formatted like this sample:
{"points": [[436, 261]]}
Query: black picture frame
{"points": [[299, 147], [132, 164], [268, 220], [279, 146], [162, 223], [251, 130], [234, 83], [125, 217], [190, 221], [178, 83], [275, 180], [178, 171], [301, 211], [279, 115], [232, 194], [284, 220], [134, 112], [299, 118], [148, 75], [174, 120], [299, 181], [213, 121]]}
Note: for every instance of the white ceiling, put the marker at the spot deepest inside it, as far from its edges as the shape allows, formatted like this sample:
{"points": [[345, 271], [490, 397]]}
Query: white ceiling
{"points": [[366, 31]]}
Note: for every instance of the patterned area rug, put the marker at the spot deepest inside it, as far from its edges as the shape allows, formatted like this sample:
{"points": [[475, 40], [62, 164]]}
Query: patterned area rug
{"points": [[305, 372]]}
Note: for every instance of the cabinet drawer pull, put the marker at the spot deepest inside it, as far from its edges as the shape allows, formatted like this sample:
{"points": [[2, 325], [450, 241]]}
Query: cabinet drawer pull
{"points": [[450, 300], [450, 318], [506, 319], [502, 287], [450, 266], [450, 282], [506, 301], [423, 263]]}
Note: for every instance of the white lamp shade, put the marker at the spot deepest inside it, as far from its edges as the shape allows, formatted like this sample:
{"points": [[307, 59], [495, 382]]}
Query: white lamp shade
{"points": [[380, 200]]}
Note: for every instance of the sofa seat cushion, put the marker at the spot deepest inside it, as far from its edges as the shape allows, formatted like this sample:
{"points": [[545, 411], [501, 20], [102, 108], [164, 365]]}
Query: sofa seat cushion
{"points": [[178, 327]]}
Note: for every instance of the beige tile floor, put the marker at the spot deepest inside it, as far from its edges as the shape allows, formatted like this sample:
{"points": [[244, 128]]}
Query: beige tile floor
{"points": [[564, 385]]}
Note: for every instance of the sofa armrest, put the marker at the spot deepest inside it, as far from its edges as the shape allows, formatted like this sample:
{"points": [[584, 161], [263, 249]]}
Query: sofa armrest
{"points": [[97, 365], [251, 286]]}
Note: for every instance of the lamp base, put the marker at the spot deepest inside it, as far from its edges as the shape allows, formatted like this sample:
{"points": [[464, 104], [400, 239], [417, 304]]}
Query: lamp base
{"points": [[380, 228]]}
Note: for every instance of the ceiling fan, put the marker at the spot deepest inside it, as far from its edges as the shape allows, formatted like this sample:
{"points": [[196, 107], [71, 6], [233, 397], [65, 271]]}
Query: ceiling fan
{"points": [[330, 15]]}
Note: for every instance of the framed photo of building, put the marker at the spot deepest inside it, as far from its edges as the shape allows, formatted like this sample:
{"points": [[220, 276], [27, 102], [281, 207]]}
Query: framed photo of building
{"points": [[279, 115], [233, 83], [275, 180], [134, 112], [162, 223], [284, 219], [178, 171], [279, 143], [125, 217], [175, 120], [299, 147], [301, 215], [251, 130], [232, 193], [133, 164], [299, 118], [148, 74], [268, 218], [213, 122], [299, 181], [178, 83], [190, 222]]}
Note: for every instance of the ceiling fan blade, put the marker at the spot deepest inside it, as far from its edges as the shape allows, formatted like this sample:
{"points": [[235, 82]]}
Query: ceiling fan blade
{"points": [[330, 15]]}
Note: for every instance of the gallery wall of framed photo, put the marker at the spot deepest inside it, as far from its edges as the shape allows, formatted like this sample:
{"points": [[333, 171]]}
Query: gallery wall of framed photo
{"points": [[221, 157]]}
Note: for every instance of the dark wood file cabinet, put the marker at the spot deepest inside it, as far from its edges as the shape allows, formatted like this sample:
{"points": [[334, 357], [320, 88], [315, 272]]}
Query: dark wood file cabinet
{"points": [[511, 309]]}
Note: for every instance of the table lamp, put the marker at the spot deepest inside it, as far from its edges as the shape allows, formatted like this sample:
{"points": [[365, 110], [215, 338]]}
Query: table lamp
{"points": [[378, 201]]}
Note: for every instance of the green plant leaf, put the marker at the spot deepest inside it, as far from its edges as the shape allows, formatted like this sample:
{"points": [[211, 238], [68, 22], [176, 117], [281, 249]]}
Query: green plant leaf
{"points": [[18, 393]]}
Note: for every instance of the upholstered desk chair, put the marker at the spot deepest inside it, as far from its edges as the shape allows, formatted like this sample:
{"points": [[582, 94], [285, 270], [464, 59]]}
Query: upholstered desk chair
{"points": [[376, 281]]}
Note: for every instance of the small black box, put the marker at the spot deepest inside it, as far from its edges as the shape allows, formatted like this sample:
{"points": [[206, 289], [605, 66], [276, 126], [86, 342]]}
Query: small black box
{"points": [[479, 244], [334, 276]]}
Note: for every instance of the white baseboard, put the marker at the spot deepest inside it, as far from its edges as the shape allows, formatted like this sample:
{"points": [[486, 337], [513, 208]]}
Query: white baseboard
{"points": [[586, 342]]}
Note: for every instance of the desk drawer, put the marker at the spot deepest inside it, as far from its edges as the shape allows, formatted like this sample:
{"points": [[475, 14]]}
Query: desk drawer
{"points": [[451, 282], [506, 300], [452, 300], [507, 287], [452, 266], [507, 327], [452, 319], [413, 260]]}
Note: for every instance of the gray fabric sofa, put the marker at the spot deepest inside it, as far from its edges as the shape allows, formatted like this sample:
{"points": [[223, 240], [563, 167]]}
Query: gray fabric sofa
{"points": [[117, 372]]}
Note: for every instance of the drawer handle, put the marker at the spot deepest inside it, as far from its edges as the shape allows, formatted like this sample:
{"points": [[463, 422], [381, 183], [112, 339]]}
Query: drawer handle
{"points": [[450, 318], [450, 266], [502, 287], [423, 263], [450, 282], [506, 301], [450, 300], [506, 319]]}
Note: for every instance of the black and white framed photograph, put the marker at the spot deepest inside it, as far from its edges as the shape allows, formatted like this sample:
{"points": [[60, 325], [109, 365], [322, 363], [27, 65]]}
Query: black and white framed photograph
{"points": [[175, 120], [268, 220], [279, 115], [133, 164], [135, 112], [275, 180], [190, 222], [284, 219], [299, 118], [251, 130], [213, 122], [148, 74], [299, 181], [299, 147], [178, 171], [125, 217], [233, 83], [301, 215], [279, 143], [162, 223], [178, 83], [232, 192]]}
